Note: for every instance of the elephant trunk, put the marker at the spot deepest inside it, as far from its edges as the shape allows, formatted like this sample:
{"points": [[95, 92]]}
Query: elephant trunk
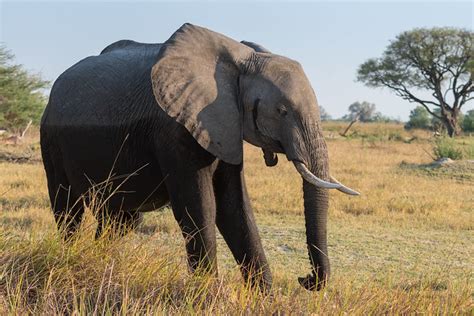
{"points": [[316, 213], [316, 203]]}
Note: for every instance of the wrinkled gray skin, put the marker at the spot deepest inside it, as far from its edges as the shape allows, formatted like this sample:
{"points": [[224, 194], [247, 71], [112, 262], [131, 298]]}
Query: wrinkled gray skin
{"points": [[180, 137]]}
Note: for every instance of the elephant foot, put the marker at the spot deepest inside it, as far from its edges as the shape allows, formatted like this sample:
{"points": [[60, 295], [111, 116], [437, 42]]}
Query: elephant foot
{"points": [[260, 278], [312, 283]]}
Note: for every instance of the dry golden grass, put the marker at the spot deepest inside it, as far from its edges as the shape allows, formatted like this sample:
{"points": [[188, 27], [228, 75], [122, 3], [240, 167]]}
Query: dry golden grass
{"points": [[404, 246]]}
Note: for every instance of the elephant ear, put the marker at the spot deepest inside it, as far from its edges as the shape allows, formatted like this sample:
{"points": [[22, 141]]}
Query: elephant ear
{"points": [[195, 81], [271, 159], [257, 47]]}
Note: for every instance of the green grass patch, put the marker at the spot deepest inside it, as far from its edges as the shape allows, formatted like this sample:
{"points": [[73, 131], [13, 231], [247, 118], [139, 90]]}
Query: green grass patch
{"points": [[452, 148]]}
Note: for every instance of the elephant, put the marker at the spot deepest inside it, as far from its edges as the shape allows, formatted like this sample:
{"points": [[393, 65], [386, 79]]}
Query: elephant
{"points": [[171, 119]]}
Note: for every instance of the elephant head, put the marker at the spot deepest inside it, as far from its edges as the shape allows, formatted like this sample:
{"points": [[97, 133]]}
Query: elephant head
{"points": [[224, 92]]}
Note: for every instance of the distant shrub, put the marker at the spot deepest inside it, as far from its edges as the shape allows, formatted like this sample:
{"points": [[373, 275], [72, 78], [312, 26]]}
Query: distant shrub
{"points": [[447, 148], [468, 122], [324, 114], [419, 118]]}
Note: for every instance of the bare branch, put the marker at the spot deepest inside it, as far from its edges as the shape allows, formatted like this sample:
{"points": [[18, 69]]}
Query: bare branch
{"points": [[403, 92], [467, 100], [449, 88]]}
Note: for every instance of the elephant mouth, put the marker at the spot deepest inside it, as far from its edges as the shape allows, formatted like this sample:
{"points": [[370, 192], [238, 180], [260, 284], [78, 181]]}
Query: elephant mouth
{"points": [[271, 159], [269, 152], [273, 146]]}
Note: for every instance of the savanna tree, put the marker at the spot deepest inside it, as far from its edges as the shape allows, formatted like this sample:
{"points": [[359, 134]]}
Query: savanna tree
{"points": [[361, 111], [436, 60], [21, 99]]}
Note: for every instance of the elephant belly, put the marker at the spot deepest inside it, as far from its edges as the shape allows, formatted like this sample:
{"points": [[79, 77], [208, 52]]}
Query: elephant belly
{"points": [[115, 168]]}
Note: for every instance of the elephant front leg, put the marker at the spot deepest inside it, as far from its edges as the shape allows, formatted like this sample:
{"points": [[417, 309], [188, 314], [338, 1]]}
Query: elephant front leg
{"points": [[236, 223], [193, 203]]}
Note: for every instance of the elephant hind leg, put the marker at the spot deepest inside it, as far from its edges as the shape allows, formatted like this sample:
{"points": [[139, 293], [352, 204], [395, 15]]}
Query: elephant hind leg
{"points": [[68, 208], [117, 224]]}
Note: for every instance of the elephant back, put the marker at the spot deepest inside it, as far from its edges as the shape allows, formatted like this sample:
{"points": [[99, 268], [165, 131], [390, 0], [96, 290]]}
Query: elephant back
{"points": [[129, 44], [108, 89]]}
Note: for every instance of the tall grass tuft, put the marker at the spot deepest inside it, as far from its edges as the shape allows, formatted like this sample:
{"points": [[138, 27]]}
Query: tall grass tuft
{"points": [[445, 147], [43, 275]]}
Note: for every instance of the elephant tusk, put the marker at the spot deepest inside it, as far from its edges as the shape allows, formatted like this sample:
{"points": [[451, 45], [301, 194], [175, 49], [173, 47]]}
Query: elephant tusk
{"points": [[343, 188], [311, 178]]}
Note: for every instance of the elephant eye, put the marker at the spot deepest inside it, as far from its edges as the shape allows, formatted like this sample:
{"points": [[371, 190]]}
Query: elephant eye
{"points": [[282, 111]]}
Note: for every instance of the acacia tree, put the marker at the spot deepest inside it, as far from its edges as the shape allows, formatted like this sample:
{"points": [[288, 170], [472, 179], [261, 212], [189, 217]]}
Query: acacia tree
{"points": [[437, 60], [361, 111], [21, 99]]}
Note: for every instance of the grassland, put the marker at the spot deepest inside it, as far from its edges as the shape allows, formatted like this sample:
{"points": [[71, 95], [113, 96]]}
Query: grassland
{"points": [[404, 246]]}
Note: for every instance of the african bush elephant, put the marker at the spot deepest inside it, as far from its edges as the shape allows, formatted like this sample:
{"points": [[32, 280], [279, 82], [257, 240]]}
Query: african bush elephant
{"points": [[172, 118]]}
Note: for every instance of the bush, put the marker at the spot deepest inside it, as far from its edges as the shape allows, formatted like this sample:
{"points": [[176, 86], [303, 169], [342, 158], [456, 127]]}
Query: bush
{"points": [[419, 118], [468, 122], [447, 148]]}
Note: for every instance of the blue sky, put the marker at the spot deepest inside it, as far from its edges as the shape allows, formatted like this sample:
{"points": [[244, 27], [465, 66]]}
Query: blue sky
{"points": [[330, 39]]}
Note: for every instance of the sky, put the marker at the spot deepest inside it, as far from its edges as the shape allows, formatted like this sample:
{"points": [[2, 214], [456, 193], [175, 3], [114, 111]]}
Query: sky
{"points": [[329, 39]]}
